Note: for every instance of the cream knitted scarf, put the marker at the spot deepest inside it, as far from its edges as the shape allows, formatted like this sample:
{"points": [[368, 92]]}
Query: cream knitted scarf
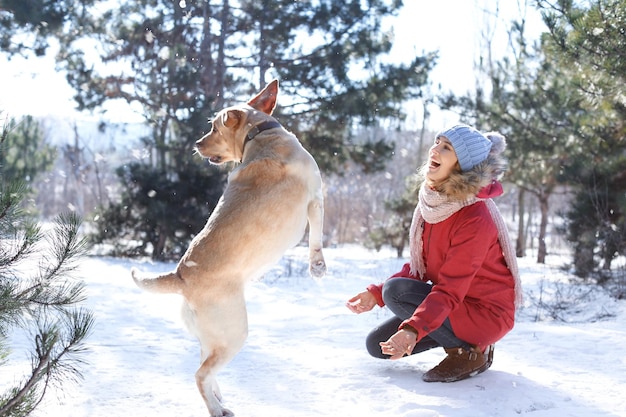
{"points": [[435, 207]]}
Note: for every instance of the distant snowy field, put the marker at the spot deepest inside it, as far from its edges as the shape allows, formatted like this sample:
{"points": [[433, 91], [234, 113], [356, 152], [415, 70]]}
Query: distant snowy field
{"points": [[305, 354]]}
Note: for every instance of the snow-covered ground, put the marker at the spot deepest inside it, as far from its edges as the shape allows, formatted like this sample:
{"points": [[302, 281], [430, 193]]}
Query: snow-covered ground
{"points": [[305, 354]]}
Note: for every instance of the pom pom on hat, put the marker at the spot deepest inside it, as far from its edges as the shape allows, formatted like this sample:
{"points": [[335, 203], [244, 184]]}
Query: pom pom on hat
{"points": [[471, 146], [498, 142]]}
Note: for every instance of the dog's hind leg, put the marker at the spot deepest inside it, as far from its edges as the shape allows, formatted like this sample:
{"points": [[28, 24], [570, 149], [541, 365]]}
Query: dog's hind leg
{"points": [[222, 328], [315, 214], [208, 387]]}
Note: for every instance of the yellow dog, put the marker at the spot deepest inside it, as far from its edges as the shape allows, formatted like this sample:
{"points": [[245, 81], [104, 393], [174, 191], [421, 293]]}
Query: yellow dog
{"points": [[264, 211]]}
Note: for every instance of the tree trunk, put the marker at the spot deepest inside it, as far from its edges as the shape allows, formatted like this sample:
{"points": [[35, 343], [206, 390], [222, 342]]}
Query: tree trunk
{"points": [[520, 249], [206, 54], [159, 245], [220, 66], [543, 225]]}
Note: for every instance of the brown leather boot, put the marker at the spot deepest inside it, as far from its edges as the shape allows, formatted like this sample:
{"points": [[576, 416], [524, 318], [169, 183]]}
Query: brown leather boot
{"points": [[460, 364]]}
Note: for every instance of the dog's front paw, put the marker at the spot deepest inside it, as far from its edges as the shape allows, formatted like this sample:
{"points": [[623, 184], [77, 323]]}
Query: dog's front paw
{"points": [[317, 269]]}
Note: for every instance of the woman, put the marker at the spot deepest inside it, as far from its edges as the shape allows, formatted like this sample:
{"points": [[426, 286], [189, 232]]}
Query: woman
{"points": [[461, 286]]}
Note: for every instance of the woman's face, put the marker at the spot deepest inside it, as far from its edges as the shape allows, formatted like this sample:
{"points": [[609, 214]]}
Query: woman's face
{"points": [[442, 160]]}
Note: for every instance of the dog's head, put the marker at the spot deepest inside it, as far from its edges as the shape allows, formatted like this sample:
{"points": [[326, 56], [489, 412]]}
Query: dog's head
{"points": [[225, 141]]}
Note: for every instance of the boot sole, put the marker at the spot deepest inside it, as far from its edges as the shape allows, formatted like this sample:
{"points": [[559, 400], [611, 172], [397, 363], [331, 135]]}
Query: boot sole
{"points": [[458, 377]]}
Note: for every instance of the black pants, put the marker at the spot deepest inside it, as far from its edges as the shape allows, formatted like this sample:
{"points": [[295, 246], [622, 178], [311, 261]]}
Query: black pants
{"points": [[402, 296]]}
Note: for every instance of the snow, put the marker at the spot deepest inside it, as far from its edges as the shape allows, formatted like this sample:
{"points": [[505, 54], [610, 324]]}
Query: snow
{"points": [[305, 353]]}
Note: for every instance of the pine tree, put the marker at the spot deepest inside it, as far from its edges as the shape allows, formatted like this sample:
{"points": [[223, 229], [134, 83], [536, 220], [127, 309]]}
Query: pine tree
{"points": [[394, 229], [26, 154], [182, 61], [588, 38], [38, 297]]}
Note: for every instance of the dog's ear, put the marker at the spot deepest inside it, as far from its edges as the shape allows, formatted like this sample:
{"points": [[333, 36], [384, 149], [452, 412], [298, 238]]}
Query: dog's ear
{"points": [[231, 118], [265, 101]]}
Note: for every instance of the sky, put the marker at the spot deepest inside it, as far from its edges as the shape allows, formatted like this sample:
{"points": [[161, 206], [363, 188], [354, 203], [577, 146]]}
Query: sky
{"points": [[454, 27]]}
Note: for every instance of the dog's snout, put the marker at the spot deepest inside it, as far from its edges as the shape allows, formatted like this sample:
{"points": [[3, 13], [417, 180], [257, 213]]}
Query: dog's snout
{"points": [[201, 143]]}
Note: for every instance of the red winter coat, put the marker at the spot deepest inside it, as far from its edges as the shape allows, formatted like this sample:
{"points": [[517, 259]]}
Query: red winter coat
{"points": [[472, 284]]}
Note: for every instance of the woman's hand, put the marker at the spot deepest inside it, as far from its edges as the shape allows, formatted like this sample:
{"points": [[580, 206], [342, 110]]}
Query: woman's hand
{"points": [[399, 344], [362, 302]]}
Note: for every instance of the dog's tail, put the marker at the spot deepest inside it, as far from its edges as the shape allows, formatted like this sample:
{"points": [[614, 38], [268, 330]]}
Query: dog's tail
{"points": [[170, 283]]}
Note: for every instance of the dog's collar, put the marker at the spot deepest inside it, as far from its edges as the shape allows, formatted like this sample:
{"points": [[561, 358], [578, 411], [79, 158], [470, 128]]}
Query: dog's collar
{"points": [[268, 124]]}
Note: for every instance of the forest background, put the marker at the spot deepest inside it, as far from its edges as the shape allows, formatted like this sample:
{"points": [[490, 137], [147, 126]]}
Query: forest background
{"points": [[363, 94], [146, 76]]}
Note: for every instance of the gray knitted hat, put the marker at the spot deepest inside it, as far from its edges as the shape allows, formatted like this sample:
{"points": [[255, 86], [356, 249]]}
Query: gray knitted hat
{"points": [[471, 146]]}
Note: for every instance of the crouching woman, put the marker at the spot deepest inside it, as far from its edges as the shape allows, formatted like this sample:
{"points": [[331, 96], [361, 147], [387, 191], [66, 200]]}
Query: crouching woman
{"points": [[460, 289]]}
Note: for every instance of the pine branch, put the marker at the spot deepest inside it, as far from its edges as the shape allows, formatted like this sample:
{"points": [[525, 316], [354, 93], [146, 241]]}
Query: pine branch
{"points": [[23, 245], [57, 352], [48, 298], [18, 236], [24, 395], [50, 294], [11, 307], [66, 246], [79, 324]]}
